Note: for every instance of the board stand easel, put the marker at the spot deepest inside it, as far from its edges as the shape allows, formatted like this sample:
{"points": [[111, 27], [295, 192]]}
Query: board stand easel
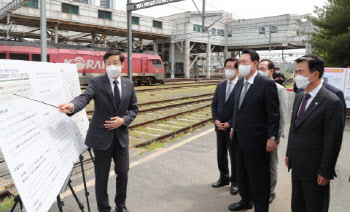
{"points": [[68, 182], [60, 203], [17, 200]]}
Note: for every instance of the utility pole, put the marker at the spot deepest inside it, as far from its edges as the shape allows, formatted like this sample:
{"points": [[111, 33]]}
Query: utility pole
{"points": [[43, 37], [270, 39], [308, 49], [208, 57], [129, 41], [8, 27], [203, 17], [172, 57], [138, 6]]}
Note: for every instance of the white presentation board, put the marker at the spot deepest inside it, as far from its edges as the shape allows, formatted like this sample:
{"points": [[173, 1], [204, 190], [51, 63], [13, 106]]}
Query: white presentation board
{"points": [[39, 143], [339, 78]]}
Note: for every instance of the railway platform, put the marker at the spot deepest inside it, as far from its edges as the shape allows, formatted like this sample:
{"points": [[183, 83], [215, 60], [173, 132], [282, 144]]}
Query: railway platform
{"points": [[178, 178]]}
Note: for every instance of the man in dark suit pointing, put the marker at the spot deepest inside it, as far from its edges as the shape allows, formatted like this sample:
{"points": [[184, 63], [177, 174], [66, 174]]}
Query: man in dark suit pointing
{"points": [[315, 137], [115, 108], [255, 126]]}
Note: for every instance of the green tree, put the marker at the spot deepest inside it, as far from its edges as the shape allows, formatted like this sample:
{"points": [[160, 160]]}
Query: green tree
{"points": [[331, 38]]}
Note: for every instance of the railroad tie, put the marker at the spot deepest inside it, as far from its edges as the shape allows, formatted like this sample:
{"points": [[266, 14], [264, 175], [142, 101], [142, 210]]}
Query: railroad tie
{"points": [[186, 119], [172, 126], [144, 133], [159, 129], [194, 118], [174, 122], [199, 115]]}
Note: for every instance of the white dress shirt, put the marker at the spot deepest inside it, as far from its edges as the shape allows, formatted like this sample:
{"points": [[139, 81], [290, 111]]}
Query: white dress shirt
{"points": [[234, 82], [312, 93], [111, 80], [250, 81]]}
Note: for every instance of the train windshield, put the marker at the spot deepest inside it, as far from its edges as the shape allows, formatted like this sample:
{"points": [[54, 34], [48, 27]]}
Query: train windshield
{"points": [[157, 63]]}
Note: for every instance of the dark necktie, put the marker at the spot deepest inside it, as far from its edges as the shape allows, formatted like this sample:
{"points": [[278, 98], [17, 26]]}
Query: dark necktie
{"points": [[116, 94], [302, 108]]}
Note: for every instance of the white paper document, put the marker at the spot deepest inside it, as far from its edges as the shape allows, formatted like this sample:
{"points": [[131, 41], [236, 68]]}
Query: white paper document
{"points": [[39, 143]]}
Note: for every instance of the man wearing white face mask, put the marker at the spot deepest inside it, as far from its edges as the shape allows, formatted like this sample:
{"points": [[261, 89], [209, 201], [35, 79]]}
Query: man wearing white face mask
{"points": [[315, 137], [221, 108], [334, 90], [254, 126], [267, 68], [115, 108]]}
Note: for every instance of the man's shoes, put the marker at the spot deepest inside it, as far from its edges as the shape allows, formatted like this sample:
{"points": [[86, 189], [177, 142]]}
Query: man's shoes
{"points": [[117, 209], [234, 189], [272, 197], [220, 183], [240, 206]]}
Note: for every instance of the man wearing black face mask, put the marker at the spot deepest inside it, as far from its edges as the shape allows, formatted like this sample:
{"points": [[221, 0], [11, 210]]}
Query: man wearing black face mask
{"points": [[279, 78], [315, 137], [115, 100]]}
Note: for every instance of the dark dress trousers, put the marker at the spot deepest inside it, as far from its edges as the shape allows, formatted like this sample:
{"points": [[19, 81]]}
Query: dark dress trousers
{"points": [[256, 120], [109, 144], [313, 148], [222, 110]]}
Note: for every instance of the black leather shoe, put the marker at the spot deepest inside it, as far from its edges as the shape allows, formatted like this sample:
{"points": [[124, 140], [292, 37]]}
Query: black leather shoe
{"points": [[220, 183], [272, 197], [240, 206], [117, 209], [234, 189]]}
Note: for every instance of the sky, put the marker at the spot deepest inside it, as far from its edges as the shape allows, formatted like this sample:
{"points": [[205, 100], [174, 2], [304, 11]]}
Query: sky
{"points": [[242, 9]]}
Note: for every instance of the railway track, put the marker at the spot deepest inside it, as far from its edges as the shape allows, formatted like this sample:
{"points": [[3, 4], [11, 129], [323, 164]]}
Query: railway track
{"points": [[168, 126], [172, 86], [168, 80], [177, 82], [169, 103]]}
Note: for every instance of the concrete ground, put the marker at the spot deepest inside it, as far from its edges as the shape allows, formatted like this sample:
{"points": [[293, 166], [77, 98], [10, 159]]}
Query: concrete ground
{"points": [[178, 178]]}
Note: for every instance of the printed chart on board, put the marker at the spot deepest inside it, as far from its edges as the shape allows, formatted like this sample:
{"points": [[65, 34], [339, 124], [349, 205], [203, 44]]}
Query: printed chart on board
{"points": [[339, 78], [39, 143]]}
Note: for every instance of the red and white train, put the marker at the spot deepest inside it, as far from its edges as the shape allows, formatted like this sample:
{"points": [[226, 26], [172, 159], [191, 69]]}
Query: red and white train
{"points": [[147, 68]]}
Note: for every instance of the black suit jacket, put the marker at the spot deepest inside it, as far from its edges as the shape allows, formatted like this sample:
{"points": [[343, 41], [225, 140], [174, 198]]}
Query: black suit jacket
{"points": [[220, 109], [314, 143], [100, 90], [334, 90], [258, 117]]}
